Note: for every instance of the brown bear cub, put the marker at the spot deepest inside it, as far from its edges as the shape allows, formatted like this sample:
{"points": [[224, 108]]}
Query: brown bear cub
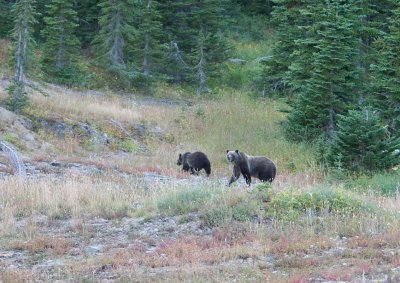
{"points": [[195, 162], [250, 166]]}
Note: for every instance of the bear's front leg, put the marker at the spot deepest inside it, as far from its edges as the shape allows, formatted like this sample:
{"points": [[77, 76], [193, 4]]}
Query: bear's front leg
{"points": [[235, 175]]}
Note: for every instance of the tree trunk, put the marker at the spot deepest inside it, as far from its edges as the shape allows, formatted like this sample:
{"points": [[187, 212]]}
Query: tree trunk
{"points": [[116, 56], [60, 51], [146, 63], [201, 72], [21, 54], [331, 123]]}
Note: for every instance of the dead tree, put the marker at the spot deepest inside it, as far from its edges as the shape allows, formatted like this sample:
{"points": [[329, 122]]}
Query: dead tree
{"points": [[201, 73], [14, 157]]}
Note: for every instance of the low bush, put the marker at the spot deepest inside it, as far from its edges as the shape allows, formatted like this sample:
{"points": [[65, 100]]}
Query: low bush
{"points": [[291, 205], [184, 201], [387, 184]]}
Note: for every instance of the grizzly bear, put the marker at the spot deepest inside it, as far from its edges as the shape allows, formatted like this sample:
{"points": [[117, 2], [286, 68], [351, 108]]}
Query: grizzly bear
{"points": [[195, 162], [250, 166]]}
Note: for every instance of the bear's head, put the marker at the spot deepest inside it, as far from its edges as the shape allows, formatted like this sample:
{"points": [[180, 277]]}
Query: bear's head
{"points": [[180, 159], [232, 155]]}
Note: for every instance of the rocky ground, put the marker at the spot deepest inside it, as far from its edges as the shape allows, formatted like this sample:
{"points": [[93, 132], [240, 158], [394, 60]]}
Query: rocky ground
{"points": [[157, 249]]}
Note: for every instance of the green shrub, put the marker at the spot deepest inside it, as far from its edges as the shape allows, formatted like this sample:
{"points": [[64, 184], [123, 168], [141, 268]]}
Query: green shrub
{"points": [[363, 144], [291, 205], [387, 184], [18, 98], [129, 145], [245, 210], [244, 207], [216, 216], [182, 202]]}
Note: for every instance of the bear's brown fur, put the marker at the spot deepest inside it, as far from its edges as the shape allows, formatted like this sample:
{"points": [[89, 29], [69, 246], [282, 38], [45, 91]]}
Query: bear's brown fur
{"points": [[250, 166]]}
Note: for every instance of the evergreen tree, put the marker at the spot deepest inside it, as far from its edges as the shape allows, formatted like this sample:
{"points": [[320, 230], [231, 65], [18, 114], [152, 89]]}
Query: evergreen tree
{"points": [[61, 48], [211, 48], [193, 30], [146, 49], [333, 74], [305, 47], [386, 73], [24, 18], [88, 12], [286, 17], [40, 24], [181, 36], [363, 144], [263, 7], [6, 19], [116, 30], [374, 22]]}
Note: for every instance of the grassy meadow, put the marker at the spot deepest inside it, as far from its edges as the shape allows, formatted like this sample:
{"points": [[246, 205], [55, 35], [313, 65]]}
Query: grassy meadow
{"points": [[117, 224], [306, 225]]}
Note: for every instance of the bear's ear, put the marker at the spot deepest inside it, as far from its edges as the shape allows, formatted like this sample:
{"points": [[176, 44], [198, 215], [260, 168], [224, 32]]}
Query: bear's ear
{"points": [[237, 151], [227, 150]]}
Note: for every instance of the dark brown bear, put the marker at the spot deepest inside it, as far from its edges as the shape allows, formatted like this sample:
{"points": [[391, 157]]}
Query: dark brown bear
{"points": [[250, 166], [195, 162]]}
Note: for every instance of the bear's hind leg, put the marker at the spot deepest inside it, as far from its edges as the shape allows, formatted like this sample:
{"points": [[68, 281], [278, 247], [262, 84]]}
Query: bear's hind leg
{"points": [[247, 177]]}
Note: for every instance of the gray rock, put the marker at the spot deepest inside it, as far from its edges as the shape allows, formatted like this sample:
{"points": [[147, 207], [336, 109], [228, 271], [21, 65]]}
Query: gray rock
{"points": [[95, 249], [55, 163]]}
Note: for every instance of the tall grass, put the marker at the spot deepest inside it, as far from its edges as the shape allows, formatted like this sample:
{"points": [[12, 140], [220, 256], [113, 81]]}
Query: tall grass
{"points": [[73, 196], [239, 122], [67, 104]]}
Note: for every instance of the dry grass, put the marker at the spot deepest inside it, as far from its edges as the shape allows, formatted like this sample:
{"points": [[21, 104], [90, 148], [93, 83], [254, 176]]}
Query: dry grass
{"points": [[73, 196], [57, 246], [73, 105], [236, 122], [270, 250]]}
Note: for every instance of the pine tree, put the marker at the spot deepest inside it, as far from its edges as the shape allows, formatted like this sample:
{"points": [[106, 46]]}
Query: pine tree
{"points": [[363, 144], [374, 16], [181, 36], [24, 18], [40, 23], [6, 19], [263, 7], [146, 49], [61, 48], [193, 32], [286, 17], [386, 73], [300, 60], [333, 74], [116, 30], [88, 12]]}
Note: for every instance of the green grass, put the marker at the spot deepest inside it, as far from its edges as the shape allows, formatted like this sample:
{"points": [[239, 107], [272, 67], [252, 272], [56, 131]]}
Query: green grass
{"points": [[218, 206], [240, 122], [387, 184], [289, 206], [185, 200]]}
